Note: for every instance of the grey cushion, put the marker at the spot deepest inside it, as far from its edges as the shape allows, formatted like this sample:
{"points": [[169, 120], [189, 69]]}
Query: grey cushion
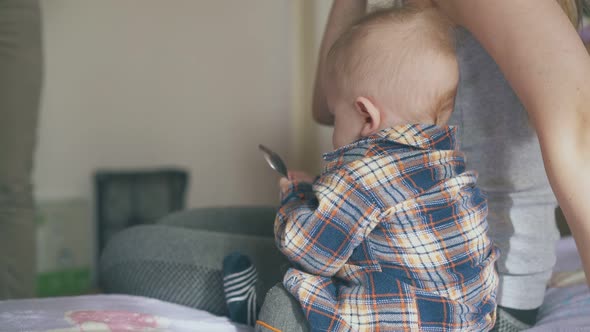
{"points": [[256, 220], [179, 259]]}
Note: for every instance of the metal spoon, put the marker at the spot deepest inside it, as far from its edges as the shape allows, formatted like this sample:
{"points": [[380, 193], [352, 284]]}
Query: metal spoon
{"points": [[274, 160]]}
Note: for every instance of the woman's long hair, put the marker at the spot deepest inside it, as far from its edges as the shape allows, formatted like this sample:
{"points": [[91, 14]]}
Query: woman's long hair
{"points": [[574, 10]]}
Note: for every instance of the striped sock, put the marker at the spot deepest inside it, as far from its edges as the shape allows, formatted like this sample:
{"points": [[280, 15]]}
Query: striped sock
{"points": [[239, 286]]}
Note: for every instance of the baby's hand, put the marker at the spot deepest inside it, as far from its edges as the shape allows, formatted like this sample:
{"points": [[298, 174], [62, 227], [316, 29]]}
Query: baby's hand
{"points": [[294, 176], [300, 176]]}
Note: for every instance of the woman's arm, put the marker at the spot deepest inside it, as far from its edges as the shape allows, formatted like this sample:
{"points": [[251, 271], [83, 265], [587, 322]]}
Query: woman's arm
{"points": [[342, 15], [545, 62]]}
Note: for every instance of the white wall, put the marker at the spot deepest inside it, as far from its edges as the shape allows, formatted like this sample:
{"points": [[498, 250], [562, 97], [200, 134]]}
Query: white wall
{"points": [[148, 83]]}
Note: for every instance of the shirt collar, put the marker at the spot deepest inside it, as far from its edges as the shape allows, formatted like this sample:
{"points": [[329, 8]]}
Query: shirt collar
{"points": [[417, 136]]}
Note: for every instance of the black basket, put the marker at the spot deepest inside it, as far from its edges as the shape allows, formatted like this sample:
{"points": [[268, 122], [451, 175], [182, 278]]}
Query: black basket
{"points": [[127, 198]]}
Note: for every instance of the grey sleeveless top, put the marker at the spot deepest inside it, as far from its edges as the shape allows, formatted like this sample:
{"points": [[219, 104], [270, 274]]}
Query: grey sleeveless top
{"points": [[500, 144]]}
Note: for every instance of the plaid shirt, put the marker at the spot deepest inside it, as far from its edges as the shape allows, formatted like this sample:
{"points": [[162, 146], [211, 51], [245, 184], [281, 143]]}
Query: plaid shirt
{"points": [[392, 236]]}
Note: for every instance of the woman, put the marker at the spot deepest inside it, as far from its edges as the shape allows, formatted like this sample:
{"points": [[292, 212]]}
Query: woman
{"points": [[20, 86]]}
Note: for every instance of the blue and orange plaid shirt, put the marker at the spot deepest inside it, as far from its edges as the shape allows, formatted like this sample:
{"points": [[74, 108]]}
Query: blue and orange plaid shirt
{"points": [[392, 236]]}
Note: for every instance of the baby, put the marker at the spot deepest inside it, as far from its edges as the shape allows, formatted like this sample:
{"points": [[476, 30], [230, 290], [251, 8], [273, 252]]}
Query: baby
{"points": [[393, 235]]}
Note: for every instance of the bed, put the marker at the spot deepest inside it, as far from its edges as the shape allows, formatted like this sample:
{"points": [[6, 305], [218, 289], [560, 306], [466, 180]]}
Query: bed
{"points": [[567, 301], [566, 308], [108, 313]]}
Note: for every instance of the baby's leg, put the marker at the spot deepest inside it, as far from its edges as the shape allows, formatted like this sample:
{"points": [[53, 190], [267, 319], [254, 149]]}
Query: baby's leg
{"points": [[281, 312], [239, 286]]}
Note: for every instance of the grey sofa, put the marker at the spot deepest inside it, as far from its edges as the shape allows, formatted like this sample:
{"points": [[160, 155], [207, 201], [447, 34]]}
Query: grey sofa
{"points": [[179, 259]]}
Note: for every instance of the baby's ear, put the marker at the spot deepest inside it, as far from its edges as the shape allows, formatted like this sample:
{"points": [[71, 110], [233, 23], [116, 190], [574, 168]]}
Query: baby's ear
{"points": [[445, 109], [371, 115], [442, 118]]}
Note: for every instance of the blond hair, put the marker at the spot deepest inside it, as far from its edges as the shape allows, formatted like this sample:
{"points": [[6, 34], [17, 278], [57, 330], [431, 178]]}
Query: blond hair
{"points": [[573, 10], [404, 74]]}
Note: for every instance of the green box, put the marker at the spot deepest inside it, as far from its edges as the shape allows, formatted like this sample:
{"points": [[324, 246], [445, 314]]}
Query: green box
{"points": [[64, 282], [65, 247]]}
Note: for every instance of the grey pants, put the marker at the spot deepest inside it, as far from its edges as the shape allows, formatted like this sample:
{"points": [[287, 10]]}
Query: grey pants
{"points": [[20, 85], [281, 311]]}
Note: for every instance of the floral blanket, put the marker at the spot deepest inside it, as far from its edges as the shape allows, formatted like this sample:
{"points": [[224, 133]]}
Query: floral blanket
{"points": [[108, 313]]}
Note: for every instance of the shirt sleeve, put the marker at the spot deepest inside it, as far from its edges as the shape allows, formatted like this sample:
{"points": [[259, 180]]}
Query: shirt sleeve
{"points": [[318, 226]]}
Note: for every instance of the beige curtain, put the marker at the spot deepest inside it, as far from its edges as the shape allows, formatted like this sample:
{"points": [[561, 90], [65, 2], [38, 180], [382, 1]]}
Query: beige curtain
{"points": [[309, 140]]}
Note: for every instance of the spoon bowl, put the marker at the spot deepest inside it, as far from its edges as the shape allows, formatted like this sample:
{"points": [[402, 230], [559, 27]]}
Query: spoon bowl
{"points": [[274, 160]]}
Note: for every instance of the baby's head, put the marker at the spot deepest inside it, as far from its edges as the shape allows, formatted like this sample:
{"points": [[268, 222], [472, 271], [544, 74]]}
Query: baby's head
{"points": [[393, 67]]}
